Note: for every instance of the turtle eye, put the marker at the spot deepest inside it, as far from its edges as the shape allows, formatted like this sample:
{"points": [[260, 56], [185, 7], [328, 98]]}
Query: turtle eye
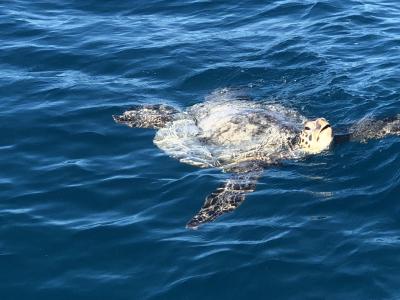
{"points": [[307, 128]]}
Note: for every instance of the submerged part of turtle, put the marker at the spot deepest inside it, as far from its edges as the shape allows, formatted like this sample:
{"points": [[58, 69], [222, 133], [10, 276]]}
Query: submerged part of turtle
{"points": [[239, 136], [224, 131]]}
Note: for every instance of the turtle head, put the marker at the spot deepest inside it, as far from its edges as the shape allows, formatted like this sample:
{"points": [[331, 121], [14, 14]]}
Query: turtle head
{"points": [[316, 136]]}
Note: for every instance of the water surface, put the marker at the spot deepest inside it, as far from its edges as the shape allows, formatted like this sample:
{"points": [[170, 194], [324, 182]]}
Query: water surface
{"points": [[92, 210]]}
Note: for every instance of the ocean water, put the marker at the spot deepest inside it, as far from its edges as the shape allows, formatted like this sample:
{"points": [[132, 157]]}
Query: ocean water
{"points": [[93, 210]]}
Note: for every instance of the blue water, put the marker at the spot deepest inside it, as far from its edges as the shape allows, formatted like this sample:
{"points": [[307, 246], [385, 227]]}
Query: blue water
{"points": [[93, 210]]}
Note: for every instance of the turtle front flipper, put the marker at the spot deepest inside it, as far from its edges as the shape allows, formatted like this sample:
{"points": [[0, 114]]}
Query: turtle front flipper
{"points": [[227, 197], [368, 129], [147, 116]]}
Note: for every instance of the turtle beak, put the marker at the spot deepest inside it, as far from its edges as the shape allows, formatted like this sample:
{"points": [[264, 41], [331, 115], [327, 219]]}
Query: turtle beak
{"points": [[322, 123], [325, 127]]}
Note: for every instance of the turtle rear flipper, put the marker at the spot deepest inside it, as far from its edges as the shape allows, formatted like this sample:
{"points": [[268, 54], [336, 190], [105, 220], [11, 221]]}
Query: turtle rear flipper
{"points": [[147, 116], [228, 197]]}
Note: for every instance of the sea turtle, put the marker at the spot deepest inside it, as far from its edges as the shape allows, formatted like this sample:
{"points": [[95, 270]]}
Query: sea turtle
{"points": [[241, 137]]}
